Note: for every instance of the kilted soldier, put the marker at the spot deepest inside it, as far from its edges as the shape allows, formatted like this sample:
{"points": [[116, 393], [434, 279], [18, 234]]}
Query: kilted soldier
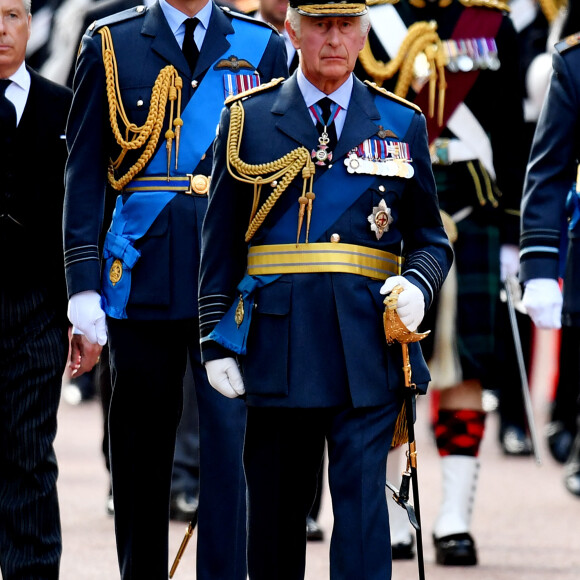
{"points": [[458, 60]]}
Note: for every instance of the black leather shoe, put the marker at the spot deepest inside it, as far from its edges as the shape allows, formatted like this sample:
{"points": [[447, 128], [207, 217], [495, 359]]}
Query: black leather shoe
{"points": [[514, 441], [183, 507], [455, 550], [559, 441], [403, 550], [314, 532]]}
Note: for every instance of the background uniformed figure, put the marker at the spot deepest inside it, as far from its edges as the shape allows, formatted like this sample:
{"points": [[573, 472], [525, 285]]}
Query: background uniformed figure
{"points": [[317, 367], [150, 258], [550, 211], [466, 78], [33, 325]]}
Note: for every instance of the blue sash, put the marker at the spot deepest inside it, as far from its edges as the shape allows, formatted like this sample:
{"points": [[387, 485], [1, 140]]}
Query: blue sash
{"points": [[336, 192], [132, 220]]}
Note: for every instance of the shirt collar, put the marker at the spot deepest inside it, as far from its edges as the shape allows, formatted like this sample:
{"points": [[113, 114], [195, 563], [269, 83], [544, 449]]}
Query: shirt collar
{"points": [[175, 17], [312, 94], [21, 78]]}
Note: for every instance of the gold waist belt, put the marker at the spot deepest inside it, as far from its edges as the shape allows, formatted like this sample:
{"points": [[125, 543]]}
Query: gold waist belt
{"points": [[187, 184], [324, 257]]}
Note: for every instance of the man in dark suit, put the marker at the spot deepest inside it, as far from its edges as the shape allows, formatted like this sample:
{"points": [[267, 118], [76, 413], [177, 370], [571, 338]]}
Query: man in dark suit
{"points": [[292, 281], [33, 325], [163, 72]]}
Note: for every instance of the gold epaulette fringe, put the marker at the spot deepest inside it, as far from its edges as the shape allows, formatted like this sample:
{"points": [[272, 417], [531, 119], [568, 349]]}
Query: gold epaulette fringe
{"points": [[130, 137], [379, 2], [421, 41], [495, 4], [392, 96], [259, 89], [279, 173]]}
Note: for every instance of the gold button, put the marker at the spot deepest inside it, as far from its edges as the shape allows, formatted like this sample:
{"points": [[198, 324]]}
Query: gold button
{"points": [[274, 183], [203, 157], [140, 103], [140, 9], [382, 188], [335, 238], [330, 166], [194, 84]]}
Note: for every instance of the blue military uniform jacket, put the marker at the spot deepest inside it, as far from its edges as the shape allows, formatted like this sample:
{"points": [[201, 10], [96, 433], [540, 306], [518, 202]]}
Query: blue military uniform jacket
{"points": [[164, 280], [317, 339], [552, 173]]}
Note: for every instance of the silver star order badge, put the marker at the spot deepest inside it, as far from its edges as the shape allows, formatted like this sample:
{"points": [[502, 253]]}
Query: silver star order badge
{"points": [[380, 219]]}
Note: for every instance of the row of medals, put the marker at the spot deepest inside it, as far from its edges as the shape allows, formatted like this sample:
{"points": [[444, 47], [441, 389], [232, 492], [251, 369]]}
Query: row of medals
{"points": [[462, 56], [385, 167]]}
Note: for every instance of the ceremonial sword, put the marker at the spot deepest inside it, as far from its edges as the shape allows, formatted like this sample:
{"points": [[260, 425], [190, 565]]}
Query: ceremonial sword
{"points": [[508, 284], [395, 330]]}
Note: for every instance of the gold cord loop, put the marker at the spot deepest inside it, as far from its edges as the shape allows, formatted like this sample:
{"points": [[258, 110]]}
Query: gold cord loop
{"points": [[421, 45], [167, 87], [279, 172]]}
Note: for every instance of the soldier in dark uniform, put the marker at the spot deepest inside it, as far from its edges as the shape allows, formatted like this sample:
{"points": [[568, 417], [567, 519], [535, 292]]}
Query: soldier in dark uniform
{"points": [[550, 208], [143, 118], [321, 189], [459, 60]]}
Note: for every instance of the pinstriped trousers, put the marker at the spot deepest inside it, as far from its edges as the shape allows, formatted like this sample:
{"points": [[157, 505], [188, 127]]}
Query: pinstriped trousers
{"points": [[33, 351]]}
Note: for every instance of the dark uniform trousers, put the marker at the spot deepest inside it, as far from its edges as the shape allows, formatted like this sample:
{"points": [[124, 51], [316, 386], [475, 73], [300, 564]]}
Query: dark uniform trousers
{"points": [[143, 422]]}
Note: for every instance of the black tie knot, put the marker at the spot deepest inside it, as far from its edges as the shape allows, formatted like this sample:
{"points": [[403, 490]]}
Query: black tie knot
{"points": [[326, 128], [4, 84], [325, 105], [7, 110], [189, 48]]}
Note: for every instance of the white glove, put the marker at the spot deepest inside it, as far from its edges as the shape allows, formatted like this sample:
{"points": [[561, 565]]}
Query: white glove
{"points": [[411, 303], [509, 261], [224, 376], [543, 301], [87, 316]]}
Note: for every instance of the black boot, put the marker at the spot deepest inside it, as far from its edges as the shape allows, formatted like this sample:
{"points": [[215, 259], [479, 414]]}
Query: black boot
{"points": [[572, 468]]}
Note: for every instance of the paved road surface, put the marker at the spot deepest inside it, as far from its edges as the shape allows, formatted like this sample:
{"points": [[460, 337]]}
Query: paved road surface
{"points": [[526, 524]]}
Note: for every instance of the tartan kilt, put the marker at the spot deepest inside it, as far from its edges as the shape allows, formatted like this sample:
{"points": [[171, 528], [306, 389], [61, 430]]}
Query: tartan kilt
{"points": [[478, 284]]}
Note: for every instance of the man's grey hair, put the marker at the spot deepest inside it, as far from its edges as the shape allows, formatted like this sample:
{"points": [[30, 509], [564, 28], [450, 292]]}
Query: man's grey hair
{"points": [[293, 18], [27, 4]]}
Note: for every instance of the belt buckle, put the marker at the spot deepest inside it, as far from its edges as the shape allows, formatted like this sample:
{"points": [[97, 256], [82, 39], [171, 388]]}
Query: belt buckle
{"points": [[198, 184]]}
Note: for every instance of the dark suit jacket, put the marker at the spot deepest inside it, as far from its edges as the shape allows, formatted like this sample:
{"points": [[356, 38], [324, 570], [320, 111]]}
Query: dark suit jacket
{"points": [[552, 171], [164, 281], [317, 339], [31, 253]]}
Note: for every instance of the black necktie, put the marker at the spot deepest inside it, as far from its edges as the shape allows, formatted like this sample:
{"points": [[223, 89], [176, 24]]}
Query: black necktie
{"points": [[189, 48], [7, 110], [325, 105]]}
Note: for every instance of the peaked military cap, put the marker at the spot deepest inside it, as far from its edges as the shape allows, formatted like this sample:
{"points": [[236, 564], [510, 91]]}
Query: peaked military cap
{"points": [[328, 7]]}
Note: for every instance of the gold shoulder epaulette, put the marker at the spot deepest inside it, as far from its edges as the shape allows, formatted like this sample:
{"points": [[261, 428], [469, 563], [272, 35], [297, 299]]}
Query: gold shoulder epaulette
{"points": [[378, 2], [494, 4], [568, 42], [259, 89], [392, 96]]}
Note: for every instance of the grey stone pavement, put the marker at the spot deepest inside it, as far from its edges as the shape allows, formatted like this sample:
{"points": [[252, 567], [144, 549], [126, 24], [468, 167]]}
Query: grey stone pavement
{"points": [[527, 526]]}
